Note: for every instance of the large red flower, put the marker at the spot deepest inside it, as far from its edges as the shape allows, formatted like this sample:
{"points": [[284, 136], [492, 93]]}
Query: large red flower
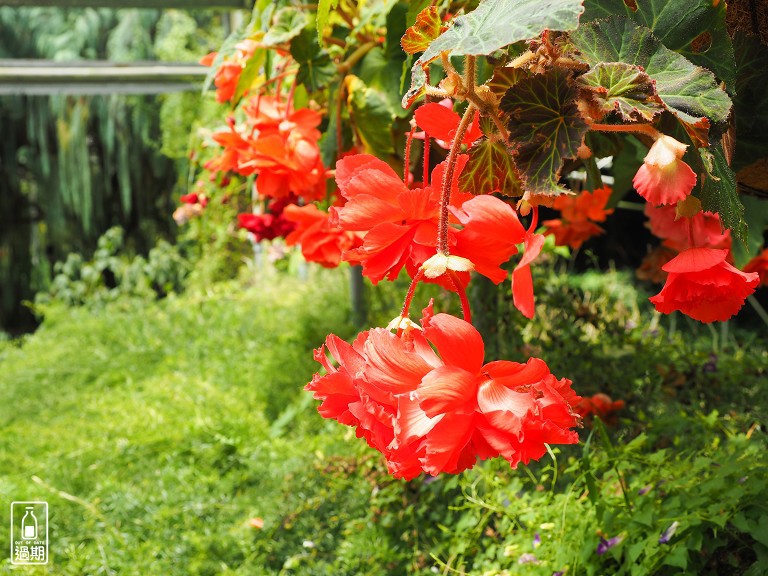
{"points": [[400, 225], [426, 401], [702, 285], [320, 241]]}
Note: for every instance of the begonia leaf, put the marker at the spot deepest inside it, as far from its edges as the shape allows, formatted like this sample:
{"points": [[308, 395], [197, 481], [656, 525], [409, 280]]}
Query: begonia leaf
{"points": [[624, 88], [504, 78], [689, 92], [717, 190], [694, 28], [249, 74], [316, 69], [545, 128], [493, 25], [490, 169], [427, 28], [371, 116], [287, 24]]}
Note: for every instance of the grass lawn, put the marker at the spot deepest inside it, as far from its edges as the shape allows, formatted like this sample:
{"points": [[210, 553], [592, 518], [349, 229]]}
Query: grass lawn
{"points": [[156, 433], [173, 438]]}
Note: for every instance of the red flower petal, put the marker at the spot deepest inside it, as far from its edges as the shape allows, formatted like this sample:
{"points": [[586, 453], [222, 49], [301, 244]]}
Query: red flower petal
{"points": [[458, 342]]}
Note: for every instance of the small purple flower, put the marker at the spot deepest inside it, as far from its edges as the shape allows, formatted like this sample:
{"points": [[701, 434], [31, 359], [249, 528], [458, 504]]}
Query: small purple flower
{"points": [[536, 541], [630, 325], [528, 558], [559, 573], [743, 479], [669, 532], [606, 545], [710, 366], [644, 490]]}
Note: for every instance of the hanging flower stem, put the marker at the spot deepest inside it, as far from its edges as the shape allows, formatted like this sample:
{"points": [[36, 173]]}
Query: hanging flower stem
{"points": [[691, 238], [425, 154], [446, 185], [646, 129], [407, 159], [465, 311], [411, 291]]}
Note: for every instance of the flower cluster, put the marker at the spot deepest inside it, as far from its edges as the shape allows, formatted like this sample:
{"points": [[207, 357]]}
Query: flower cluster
{"points": [[278, 144], [229, 71], [399, 227], [427, 402]]}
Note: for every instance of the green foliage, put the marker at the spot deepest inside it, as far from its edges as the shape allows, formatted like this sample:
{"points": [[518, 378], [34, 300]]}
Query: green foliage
{"points": [[689, 92], [490, 169], [111, 274], [624, 88], [694, 28], [315, 67], [495, 24]]}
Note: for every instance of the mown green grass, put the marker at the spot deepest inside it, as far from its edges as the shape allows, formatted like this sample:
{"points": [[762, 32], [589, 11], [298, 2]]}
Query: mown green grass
{"points": [[156, 432]]}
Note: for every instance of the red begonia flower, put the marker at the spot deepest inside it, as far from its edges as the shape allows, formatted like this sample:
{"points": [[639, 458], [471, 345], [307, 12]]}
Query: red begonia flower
{"points": [[320, 241], [277, 144], [578, 216], [702, 285], [664, 178], [706, 230], [400, 225], [522, 281], [439, 121], [425, 400], [759, 264], [600, 405]]}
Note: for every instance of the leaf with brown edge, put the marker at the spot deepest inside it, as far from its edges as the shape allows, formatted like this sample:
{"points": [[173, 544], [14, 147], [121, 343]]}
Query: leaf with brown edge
{"points": [[490, 169], [622, 88], [545, 128], [428, 26], [504, 78]]}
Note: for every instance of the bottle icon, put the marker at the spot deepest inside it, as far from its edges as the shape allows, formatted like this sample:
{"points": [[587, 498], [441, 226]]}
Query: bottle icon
{"points": [[29, 524]]}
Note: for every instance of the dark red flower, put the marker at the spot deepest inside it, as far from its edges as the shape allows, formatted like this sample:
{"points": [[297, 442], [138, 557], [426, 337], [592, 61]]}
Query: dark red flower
{"points": [[702, 285]]}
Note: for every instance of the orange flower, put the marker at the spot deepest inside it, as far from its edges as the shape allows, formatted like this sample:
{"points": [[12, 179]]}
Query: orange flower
{"points": [[579, 214], [600, 405], [320, 241]]}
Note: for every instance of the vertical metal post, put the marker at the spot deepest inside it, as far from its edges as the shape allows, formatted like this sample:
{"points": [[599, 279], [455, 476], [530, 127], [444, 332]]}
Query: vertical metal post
{"points": [[357, 296]]}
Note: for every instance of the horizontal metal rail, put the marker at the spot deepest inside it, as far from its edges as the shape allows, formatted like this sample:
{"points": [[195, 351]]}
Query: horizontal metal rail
{"points": [[46, 77], [152, 4]]}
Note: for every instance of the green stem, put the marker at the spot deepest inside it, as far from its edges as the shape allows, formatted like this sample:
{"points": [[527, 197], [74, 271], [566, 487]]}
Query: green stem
{"points": [[355, 57]]}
